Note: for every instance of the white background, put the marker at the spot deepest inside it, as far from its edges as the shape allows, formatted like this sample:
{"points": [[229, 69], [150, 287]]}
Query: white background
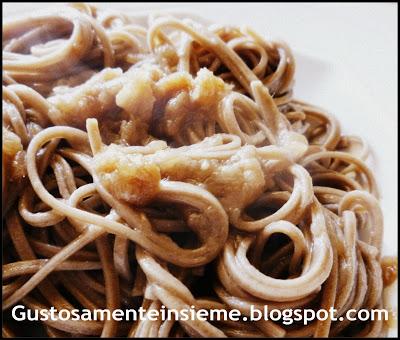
{"points": [[346, 62]]}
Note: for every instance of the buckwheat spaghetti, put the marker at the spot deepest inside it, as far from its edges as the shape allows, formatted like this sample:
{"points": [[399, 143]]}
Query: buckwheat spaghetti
{"points": [[168, 164]]}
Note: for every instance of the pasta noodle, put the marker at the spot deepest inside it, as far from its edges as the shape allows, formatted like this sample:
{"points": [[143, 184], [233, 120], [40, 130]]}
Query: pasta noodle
{"points": [[168, 165]]}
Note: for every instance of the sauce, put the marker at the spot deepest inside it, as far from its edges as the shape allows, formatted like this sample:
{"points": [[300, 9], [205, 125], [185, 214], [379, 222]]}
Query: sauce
{"points": [[389, 275], [389, 270]]}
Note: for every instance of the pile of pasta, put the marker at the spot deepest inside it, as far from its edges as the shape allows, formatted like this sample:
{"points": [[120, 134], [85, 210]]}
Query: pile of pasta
{"points": [[167, 163]]}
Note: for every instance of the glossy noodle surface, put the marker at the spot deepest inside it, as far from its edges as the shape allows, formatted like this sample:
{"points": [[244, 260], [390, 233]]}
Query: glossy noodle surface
{"points": [[169, 164]]}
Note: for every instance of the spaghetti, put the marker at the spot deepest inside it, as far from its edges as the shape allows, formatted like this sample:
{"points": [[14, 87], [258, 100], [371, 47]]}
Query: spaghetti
{"points": [[169, 165]]}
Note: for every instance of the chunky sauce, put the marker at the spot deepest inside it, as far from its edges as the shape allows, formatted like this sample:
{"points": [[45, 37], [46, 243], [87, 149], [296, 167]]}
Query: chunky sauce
{"points": [[389, 270]]}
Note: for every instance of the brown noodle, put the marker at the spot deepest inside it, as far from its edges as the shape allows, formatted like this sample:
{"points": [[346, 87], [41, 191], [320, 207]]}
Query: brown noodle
{"points": [[169, 164]]}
